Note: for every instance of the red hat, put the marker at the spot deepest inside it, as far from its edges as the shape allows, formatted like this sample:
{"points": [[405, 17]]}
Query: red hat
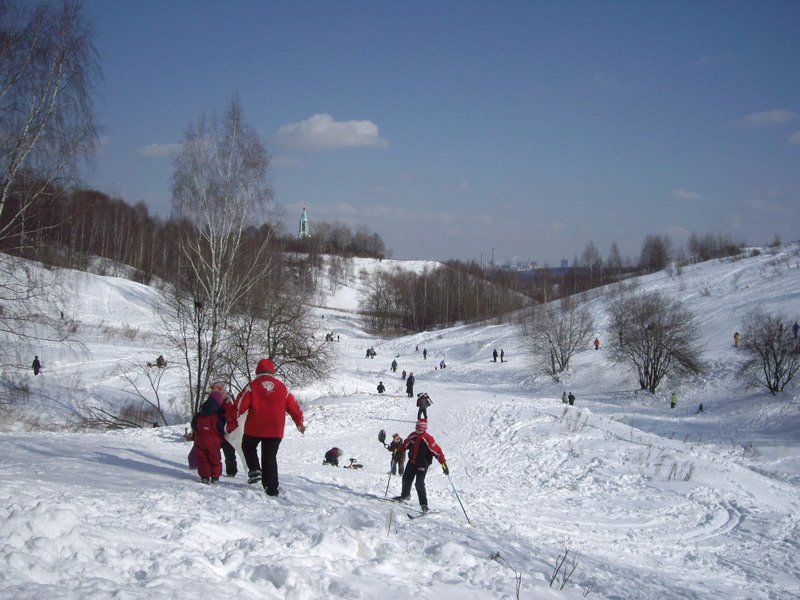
{"points": [[265, 366], [422, 426]]}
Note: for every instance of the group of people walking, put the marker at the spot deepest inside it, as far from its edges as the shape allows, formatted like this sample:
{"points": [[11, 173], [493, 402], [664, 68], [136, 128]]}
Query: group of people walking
{"points": [[263, 403]]}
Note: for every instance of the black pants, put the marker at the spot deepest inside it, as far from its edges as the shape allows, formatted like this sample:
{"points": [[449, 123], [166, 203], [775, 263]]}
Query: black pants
{"points": [[269, 460], [412, 472], [230, 459], [422, 413]]}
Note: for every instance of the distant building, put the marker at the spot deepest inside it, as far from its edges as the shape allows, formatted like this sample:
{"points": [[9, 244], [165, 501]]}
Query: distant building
{"points": [[304, 230]]}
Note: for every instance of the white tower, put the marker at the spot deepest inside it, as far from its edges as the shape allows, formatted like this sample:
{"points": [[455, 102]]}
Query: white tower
{"points": [[304, 231]]}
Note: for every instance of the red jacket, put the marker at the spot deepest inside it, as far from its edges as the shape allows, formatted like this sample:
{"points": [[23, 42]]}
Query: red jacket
{"points": [[268, 401], [422, 449]]}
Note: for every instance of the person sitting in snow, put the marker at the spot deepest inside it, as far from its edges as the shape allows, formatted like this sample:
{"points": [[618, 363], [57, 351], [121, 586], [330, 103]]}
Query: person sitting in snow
{"points": [[160, 362], [332, 457], [208, 428], [398, 458], [422, 449], [381, 387]]}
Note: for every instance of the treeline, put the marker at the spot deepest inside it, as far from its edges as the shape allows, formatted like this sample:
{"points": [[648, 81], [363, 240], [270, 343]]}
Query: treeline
{"points": [[410, 301], [66, 229]]}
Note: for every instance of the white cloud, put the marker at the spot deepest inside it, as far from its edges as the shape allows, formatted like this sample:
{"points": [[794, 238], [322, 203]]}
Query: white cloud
{"points": [[285, 161], [767, 118], [456, 188], [159, 150], [686, 195], [322, 133], [795, 138]]}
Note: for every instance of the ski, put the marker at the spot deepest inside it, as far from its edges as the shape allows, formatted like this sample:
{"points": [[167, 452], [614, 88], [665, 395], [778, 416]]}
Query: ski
{"points": [[418, 515]]}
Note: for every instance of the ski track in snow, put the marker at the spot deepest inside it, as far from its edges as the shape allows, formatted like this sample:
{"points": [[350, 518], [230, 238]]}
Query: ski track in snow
{"points": [[653, 502]]}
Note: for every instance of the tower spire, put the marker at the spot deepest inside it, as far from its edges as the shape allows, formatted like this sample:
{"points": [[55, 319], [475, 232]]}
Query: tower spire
{"points": [[304, 232]]}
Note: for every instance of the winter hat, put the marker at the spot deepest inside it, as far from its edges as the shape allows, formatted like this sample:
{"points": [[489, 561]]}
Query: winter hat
{"points": [[265, 366], [422, 426]]}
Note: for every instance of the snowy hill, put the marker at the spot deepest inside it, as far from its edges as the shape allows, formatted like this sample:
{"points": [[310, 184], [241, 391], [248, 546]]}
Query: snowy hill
{"points": [[649, 502]]}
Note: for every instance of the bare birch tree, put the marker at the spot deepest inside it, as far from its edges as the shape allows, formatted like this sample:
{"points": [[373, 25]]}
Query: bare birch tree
{"points": [[219, 189], [48, 70]]}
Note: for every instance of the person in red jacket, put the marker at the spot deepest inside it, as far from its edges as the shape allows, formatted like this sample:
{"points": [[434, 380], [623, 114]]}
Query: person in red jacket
{"points": [[208, 427], [422, 449], [266, 401]]}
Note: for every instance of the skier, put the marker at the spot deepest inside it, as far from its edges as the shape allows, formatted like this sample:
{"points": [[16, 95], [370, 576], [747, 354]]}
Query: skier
{"points": [[422, 449], [423, 402], [381, 387], [332, 457], [410, 385], [673, 400], [208, 427], [398, 458], [494, 355], [571, 399], [267, 400], [36, 365]]}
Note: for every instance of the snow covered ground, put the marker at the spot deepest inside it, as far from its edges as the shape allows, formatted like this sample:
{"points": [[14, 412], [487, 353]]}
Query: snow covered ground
{"points": [[649, 502]]}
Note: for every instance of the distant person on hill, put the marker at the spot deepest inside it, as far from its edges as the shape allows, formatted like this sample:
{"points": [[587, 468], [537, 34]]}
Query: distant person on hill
{"points": [[404, 374], [208, 427], [442, 365], [332, 457], [422, 449], [160, 362], [425, 354], [571, 399], [494, 355], [564, 398], [673, 400], [423, 402], [36, 365], [394, 366], [502, 355], [596, 344], [398, 458], [736, 339], [795, 329], [410, 385], [700, 408], [381, 387]]}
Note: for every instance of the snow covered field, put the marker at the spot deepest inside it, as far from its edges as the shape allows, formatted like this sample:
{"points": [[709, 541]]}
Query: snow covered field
{"points": [[650, 502]]}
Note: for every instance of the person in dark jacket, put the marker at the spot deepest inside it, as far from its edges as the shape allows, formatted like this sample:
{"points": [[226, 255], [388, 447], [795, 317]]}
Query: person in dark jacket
{"points": [[381, 387], [422, 449], [229, 410], [410, 385], [267, 401], [36, 365], [332, 457], [571, 399], [398, 458], [494, 355], [208, 427], [423, 402]]}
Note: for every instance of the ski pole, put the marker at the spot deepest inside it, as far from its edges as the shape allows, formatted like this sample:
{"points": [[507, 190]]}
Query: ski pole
{"points": [[387, 486], [457, 498]]}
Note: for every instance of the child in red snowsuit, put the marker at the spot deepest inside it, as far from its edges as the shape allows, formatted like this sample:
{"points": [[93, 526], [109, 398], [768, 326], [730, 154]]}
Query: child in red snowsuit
{"points": [[209, 429]]}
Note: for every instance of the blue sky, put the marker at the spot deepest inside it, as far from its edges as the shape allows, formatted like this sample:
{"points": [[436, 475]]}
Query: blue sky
{"points": [[454, 129]]}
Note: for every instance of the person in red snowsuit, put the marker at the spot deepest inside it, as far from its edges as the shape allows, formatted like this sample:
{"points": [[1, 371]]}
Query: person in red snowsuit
{"points": [[422, 449], [208, 427], [267, 401]]}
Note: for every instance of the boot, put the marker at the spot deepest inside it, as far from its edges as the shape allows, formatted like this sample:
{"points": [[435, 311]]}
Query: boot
{"points": [[254, 477]]}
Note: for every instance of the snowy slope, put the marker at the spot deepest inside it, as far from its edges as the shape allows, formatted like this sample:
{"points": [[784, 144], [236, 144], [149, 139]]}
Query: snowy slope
{"points": [[650, 502]]}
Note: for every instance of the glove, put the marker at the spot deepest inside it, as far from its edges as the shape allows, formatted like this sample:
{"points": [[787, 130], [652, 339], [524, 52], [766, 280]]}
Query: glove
{"points": [[231, 426], [445, 469]]}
